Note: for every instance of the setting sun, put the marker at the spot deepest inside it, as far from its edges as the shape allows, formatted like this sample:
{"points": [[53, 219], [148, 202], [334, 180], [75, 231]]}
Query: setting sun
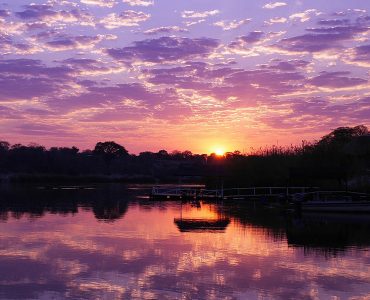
{"points": [[219, 151]]}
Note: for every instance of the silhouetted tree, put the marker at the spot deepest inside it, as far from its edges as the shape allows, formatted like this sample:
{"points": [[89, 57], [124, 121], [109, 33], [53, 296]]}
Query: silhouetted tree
{"points": [[162, 154], [65, 150], [109, 151], [147, 155], [187, 154], [343, 135], [4, 146]]}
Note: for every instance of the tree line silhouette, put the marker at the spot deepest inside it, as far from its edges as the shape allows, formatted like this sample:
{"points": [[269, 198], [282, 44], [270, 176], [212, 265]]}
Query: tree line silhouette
{"points": [[340, 158]]}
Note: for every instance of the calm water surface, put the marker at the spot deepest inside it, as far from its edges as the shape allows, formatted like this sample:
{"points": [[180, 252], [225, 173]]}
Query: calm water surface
{"points": [[110, 242]]}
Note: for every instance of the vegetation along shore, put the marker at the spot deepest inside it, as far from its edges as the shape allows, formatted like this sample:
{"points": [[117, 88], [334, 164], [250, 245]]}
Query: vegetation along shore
{"points": [[340, 159]]}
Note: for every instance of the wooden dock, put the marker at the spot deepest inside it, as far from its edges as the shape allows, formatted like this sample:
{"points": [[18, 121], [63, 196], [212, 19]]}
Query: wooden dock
{"points": [[199, 193]]}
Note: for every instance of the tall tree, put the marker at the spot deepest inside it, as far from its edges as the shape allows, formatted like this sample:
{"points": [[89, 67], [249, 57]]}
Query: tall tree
{"points": [[4, 146], [109, 151]]}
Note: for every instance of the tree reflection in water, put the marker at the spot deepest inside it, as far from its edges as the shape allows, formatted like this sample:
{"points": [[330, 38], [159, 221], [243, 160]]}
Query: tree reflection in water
{"points": [[328, 233], [108, 203]]}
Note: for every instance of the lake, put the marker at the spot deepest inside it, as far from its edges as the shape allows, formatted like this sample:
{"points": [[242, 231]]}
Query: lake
{"points": [[113, 242]]}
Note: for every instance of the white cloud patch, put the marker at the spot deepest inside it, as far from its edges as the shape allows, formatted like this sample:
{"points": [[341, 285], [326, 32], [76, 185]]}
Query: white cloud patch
{"points": [[138, 2], [229, 25], [165, 29], [273, 5], [191, 23], [305, 15], [63, 42], [191, 14], [276, 20], [102, 3], [63, 17], [127, 18]]}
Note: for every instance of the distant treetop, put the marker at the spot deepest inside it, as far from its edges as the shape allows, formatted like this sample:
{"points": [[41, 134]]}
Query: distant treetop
{"points": [[110, 148], [343, 135]]}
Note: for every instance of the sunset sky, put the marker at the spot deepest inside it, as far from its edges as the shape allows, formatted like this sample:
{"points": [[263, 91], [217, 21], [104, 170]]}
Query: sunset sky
{"points": [[182, 74]]}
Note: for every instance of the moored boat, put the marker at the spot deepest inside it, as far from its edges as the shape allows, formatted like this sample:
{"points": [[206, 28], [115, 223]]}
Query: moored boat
{"points": [[336, 206], [198, 225], [334, 202]]}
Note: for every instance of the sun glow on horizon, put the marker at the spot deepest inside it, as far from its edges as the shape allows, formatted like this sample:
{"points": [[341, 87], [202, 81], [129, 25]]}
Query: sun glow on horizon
{"points": [[219, 151]]}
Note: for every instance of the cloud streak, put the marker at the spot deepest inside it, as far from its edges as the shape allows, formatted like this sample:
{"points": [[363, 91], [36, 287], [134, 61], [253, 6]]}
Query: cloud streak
{"points": [[139, 2], [191, 14], [164, 49], [101, 3], [273, 5], [127, 18]]}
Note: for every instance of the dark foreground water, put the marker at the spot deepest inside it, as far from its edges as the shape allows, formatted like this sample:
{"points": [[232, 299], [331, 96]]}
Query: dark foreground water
{"points": [[113, 243]]}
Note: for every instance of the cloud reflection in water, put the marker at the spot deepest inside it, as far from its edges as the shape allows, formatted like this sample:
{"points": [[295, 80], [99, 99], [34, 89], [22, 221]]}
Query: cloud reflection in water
{"points": [[68, 253]]}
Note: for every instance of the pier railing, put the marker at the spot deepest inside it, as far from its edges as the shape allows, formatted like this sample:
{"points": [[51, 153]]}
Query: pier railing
{"points": [[265, 191], [174, 191], [250, 192]]}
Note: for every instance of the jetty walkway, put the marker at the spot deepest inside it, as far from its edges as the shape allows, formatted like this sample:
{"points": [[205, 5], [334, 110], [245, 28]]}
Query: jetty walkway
{"points": [[181, 192]]}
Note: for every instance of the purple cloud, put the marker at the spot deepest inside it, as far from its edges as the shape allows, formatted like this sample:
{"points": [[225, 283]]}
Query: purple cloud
{"points": [[26, 78], [39, 129], [269, 81], [179, 76], [304, 113], [334, 22], [46, 13], [311, 42], [165, 30], [362, 54], [5, 41], [36, 11], [244, 86], [30, 67], [251, 38], [114, 96], [4, 13], [8, 113], [73, 42], [127, 18], [15, 87], [323, 38], [164, 49], [92, 67], [56, 41], [291, 65], [336, 80]]}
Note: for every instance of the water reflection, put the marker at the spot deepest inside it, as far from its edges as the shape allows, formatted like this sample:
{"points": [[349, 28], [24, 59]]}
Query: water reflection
{"points": [[329, 233], [107, 243], [108, 203], [201, 219]]}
